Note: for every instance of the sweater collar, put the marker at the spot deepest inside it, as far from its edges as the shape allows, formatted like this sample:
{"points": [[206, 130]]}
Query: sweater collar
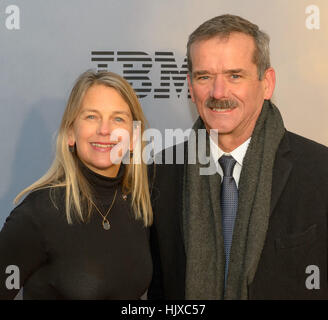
{"points": [[101, 184]]}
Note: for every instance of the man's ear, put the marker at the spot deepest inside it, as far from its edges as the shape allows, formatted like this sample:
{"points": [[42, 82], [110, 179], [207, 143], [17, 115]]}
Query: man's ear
{"points": [[190, 87], [269, 83]]}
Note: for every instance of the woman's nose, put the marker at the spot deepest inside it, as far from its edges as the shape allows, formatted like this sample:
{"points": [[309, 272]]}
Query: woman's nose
{"points": [[104, 128]]}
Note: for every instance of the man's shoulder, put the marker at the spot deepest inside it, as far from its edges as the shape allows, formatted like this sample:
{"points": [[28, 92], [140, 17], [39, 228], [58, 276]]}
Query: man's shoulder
{"points": [[306, 148], [309, 158]]}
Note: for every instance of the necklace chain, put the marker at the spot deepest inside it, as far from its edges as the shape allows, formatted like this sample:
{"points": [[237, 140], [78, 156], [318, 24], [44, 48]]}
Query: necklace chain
{"points": [[105, 222]]}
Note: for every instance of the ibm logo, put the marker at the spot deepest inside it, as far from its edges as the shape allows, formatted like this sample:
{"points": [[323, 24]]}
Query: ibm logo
{"points": [[136, 67]]}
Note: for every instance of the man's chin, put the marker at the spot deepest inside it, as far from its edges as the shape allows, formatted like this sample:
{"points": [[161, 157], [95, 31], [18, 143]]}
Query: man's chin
{"points": [[219, 128]]}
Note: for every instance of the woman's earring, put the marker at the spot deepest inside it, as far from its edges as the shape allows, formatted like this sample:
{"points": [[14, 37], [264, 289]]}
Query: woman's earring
{"points": [[71, 148]]}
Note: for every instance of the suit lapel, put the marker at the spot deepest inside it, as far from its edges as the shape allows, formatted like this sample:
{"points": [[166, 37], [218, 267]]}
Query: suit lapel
{"points": [[281, 170], [180, 177]]}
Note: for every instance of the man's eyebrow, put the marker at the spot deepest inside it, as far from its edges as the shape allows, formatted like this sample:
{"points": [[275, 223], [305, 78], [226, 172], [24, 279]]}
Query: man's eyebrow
{"points": [[200, 73], [230, 71]]}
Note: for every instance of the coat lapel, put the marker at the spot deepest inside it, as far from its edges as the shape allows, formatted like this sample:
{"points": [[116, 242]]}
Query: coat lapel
{"points": [[281, 170]]}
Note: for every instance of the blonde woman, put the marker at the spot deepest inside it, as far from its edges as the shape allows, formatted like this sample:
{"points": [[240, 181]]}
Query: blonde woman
{"points": [[81, 233]]}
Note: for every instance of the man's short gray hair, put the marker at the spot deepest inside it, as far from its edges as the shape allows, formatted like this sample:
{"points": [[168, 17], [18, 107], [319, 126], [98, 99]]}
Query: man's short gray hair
{"points": [[225, 24]]}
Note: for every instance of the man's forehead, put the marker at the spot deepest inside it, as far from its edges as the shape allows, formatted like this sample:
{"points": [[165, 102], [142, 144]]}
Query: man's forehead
{"points": [[234, 38], [237, 48], [224, 38]]}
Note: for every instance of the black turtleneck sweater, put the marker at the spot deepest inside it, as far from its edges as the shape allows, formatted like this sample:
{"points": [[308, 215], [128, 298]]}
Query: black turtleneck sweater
{"points": [[58, 260]]}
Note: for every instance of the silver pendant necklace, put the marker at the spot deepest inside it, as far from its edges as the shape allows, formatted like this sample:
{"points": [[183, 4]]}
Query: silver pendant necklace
{"points": [[105, 222]]}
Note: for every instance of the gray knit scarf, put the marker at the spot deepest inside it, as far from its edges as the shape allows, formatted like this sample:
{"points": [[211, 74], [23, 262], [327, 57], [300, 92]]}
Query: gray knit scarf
{"points": [[202, 215]]}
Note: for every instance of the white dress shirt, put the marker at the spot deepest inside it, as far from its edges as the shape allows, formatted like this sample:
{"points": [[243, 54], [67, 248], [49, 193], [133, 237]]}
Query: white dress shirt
{"points": [[238, 154]]}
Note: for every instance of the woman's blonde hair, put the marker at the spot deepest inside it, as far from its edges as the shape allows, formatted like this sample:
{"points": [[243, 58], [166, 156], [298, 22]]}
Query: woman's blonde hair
{"points": [[65, 172]]}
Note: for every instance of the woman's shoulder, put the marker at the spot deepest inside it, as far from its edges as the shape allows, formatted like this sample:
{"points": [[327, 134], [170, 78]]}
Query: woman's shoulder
{"points": [[30, 215], [46, 198]]}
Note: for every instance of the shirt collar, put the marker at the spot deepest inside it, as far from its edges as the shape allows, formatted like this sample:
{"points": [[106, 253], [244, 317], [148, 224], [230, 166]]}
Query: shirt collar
{"points": [[238, 154]]}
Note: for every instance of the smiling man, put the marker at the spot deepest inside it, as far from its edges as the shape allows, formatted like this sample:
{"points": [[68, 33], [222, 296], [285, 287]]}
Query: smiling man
{"points": [[252, 229]]}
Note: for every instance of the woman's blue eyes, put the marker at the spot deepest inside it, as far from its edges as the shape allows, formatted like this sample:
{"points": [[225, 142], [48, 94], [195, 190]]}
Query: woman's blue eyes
{"points": [[117, 119]]}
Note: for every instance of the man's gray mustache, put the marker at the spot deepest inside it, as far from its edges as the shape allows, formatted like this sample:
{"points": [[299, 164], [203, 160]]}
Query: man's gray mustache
{"points": [[213, 103]]}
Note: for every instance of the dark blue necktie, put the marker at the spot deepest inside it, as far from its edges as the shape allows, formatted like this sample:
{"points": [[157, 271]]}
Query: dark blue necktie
{"points": [[229, 205]]}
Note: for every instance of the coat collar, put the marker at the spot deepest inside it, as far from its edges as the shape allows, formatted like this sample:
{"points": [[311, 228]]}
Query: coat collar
{"points": [[281, 170]]}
